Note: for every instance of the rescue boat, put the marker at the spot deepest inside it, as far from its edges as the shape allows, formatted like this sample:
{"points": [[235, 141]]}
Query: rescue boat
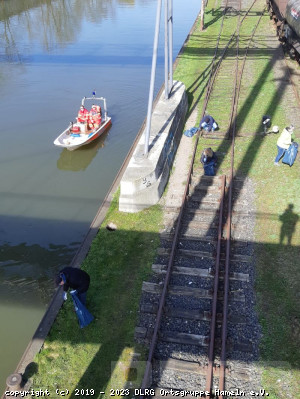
{"points": [[79, 133]]}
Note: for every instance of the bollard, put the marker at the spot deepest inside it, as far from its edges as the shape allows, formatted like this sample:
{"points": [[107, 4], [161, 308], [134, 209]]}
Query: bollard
{"points": [[14, 381]]}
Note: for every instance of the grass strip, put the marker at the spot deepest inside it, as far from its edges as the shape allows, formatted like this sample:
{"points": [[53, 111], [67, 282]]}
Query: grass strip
{"points": [[119, 261], [99, 356], [277, 232]]}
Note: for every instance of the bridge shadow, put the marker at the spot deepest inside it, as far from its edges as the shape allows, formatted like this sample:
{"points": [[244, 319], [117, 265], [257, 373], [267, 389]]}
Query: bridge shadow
{"points": [[243, 169], [105, 332], [289, 219], [113, 300], [216, 14], [274, 267]]}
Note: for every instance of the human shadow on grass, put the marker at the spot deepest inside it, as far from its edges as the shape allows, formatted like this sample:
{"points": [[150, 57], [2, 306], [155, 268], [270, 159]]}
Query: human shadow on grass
{"points": [[244, 167], [289, 221], [112, 340]]}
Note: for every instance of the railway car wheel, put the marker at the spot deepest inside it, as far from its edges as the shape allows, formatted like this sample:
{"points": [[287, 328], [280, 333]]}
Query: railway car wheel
{"points": [[292, 53], [284, 48]]}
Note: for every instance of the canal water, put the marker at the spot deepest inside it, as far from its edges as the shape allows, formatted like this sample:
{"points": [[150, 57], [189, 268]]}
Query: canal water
{"points": [[52, 53]]}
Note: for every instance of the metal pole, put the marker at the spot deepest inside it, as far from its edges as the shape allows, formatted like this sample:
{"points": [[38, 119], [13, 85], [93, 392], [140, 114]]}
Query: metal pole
{"points": [[202, 14], [151, 91], [166, 50], [171, 43]]}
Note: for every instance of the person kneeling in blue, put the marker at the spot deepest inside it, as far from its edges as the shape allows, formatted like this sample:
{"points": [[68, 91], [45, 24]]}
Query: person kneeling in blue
{"points": [[209, 161], [76, 279], [208, 123]]}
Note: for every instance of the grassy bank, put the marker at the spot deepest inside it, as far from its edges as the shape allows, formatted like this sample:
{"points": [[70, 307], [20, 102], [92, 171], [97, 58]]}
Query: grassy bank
{"points": [[277, 233], [98, 357], [118, 262]]}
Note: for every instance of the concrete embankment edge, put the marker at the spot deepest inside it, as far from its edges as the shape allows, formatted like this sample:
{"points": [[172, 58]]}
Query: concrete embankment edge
{"points": [[50, 315], [43, 329]]}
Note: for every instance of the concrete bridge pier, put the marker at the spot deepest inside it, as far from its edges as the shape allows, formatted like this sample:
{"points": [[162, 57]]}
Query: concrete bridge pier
{"points": [[145, 178]]}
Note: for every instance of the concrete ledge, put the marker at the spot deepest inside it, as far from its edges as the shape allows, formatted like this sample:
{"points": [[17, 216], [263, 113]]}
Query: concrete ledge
{"points": [[145, 178]]}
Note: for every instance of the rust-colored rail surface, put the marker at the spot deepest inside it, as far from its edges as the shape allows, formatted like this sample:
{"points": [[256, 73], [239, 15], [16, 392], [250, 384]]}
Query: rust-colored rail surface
{"points": [[206, 199]]}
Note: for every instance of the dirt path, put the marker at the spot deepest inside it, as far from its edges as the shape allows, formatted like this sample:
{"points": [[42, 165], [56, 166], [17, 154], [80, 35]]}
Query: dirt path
{"points": [[176, 185]]}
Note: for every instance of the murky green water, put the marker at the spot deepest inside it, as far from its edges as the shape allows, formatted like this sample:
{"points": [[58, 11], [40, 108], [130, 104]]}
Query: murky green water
{"points": [[52, 53]]}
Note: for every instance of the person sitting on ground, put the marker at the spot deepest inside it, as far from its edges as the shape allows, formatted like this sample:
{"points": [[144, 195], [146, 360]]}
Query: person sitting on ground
{"points": [[76, 279], [95, 117], [208, 123], [83, 115], [207, 156], [283, 143], [209, 161]]}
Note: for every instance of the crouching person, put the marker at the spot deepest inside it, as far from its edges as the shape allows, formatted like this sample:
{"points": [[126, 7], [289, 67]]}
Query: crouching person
{"points": [[79, 281], [209, 162], [76, 279], [208, 123]]}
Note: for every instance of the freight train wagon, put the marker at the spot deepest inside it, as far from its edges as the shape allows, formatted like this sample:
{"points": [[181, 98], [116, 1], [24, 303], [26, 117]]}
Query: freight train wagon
{"points": [[286, 14]]}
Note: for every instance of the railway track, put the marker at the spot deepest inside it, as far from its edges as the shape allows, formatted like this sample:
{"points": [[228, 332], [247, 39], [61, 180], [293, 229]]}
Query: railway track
{"points": [[194, 311], [180, 358]]}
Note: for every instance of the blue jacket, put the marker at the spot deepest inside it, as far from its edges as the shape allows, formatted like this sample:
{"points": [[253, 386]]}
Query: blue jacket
{"points": [[206, 160], [209, 120]]}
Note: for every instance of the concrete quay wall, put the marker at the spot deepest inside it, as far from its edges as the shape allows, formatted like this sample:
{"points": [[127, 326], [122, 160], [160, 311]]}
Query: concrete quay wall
{"points": [[145, 178], [37, 341]]}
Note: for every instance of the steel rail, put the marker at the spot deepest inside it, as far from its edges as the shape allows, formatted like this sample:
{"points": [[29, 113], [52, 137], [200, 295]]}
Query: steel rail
{"points": [[229, 217], [146, 377], [209, 373], [214, 68], [214, 74], [226, 277], [228, 228]]}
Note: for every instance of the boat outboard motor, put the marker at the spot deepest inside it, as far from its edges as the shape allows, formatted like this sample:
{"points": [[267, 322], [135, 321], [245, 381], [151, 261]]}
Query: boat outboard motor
{"points": [[266, 121]]}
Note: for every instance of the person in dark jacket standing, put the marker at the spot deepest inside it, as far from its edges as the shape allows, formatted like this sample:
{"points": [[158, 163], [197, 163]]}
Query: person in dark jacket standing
{"points": [[76, 279]]}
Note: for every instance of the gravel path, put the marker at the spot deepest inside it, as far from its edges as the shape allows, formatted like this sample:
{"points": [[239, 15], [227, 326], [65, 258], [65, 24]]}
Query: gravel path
{"points": [[243, 234]]}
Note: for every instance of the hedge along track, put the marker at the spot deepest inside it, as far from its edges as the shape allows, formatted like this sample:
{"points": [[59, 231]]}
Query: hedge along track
{"points": [[187, 301]]}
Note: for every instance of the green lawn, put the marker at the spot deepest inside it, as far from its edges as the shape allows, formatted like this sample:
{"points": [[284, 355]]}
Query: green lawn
{"points": [[276, 189], [99, 356], [118, 262]]}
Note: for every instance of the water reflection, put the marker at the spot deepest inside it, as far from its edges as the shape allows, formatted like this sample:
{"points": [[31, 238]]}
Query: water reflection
{"points": [[80, 159], [54, 23], [70, 47], [26, 269]]}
